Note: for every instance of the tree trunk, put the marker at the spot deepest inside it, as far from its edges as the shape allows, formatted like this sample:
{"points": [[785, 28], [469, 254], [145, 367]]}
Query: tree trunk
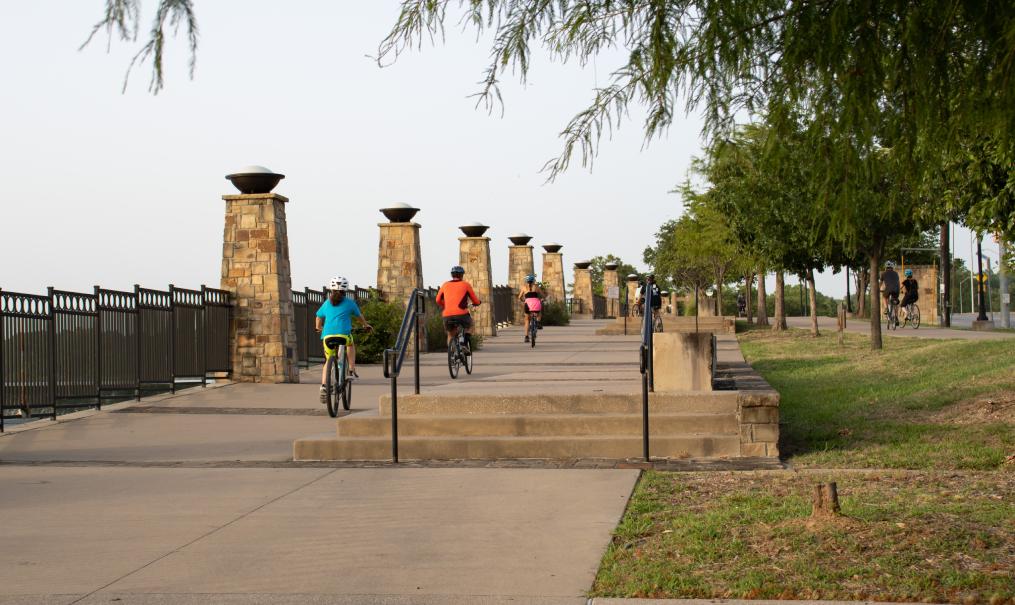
{"points": [[826, 500], [946, 270], [750, 284], [875, 302], [861, 292], [718, 295], [780, 302], [814, 302], [762, 298]]}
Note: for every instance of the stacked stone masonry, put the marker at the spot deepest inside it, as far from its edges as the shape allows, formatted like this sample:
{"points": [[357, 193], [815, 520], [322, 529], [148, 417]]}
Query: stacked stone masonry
{"points": [[520, 265], [553, 276], [255, 269], [632, 295], [399, 261], [583, 291], [759, 423], [474, 256], [610, 280]]}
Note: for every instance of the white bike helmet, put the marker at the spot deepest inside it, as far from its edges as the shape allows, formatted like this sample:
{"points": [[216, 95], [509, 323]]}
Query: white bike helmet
{"points": [[889, 265], [339, 283]]}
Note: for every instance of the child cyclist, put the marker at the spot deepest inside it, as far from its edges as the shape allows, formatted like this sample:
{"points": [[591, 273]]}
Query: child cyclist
{"points": [[334, 322]]}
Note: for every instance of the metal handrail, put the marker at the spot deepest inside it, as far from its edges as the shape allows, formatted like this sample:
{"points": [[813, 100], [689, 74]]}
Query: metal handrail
{"points": [[645, 366], [415, 310]]}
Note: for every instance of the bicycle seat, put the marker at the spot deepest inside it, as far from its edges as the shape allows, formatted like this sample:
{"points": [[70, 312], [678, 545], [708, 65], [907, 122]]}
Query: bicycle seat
{"points": [[334, 341]]}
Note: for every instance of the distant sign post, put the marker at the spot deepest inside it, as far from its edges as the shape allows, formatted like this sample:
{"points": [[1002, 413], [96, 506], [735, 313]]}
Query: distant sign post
{"points": [[613, 292]]}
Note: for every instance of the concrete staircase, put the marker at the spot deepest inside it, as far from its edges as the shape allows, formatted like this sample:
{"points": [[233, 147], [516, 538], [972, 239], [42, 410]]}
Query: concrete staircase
{"points": [[447, 426]]}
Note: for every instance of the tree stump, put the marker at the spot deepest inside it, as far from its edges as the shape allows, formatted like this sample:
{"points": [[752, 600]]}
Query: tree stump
{"points": [[826, 500]]}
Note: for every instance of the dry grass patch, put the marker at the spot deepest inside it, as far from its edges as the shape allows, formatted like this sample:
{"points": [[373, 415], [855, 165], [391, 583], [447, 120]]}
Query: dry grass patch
{"points": [[934, 537]]}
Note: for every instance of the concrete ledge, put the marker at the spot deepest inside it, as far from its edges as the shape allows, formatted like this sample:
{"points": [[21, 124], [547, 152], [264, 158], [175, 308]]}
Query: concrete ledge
{"points": [[673, 323], [448, 404]]}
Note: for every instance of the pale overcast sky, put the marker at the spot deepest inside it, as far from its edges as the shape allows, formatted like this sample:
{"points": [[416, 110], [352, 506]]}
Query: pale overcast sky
{"points": [[112, 189]]}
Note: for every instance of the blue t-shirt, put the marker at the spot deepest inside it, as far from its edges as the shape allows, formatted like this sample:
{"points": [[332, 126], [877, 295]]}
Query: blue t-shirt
{"points": [[338, 318]]}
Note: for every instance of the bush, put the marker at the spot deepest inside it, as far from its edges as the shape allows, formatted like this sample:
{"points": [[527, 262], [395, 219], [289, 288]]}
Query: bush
{"points": [[436, 336], [385, 318], [555, 314]]}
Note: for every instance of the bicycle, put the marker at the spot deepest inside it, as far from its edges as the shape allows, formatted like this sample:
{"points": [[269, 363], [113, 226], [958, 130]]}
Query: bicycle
{"points": [[657, 321], [533, 329], [337, 375], [892, 313], [912, 316], [338, 385], [456, 353]]}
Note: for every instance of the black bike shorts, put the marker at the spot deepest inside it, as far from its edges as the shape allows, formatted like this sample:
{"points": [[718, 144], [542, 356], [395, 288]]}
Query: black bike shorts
{"points": [[464, 321]]}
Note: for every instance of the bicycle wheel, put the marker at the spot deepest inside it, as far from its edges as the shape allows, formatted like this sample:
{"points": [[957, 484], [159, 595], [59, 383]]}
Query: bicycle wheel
{"points": [[914, 316], [893, 317], [453, 360], [467, 362], [347, 394], [533, 330], [331, 383]]}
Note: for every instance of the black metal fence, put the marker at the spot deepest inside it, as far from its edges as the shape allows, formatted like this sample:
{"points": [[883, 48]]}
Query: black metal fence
{"points": [[71, 350], [503, 301], [305, 305]]}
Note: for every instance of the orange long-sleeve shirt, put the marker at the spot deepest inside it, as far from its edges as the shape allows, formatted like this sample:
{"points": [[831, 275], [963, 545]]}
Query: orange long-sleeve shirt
{"points": [[454, 296]]}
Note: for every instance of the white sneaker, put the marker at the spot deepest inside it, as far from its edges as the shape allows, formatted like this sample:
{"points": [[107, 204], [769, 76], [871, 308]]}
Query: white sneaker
{"points": [[324, 395]]}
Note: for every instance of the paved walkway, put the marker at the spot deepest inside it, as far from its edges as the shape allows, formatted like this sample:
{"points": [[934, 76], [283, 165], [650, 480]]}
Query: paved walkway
{"points": [[862, 326], [193, 498]]}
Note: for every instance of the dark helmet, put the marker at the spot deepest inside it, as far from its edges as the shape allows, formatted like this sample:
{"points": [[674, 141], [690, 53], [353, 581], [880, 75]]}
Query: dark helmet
{"points": [[458, 270]]}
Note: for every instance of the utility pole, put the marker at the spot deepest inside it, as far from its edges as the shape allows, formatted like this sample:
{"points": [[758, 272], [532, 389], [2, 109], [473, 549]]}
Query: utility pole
{"points": [[946, 271], [986, 279], [979, 281], [849, 303], [1002, 270]]}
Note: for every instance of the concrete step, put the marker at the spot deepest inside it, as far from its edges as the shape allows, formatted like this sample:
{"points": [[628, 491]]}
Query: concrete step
{"points": [[439, 403], [485, 448], [537, 425]]}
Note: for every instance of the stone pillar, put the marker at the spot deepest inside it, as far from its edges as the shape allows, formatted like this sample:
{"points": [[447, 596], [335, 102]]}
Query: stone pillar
{"points": [[474, 256], [520, 265], [399, 260], [553, 273], [255, 268], [583, 289], [611, 280], [632, 293]]}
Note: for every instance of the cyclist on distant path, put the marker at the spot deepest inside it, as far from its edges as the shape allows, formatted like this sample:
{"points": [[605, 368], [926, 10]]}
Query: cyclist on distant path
{"points": [[532, 302], [889, 285], [911, 289], [453, 298], [657, 297], [334, 319]]}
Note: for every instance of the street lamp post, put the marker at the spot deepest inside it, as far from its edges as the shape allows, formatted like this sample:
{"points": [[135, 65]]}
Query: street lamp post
{"points": [[979, 282]]}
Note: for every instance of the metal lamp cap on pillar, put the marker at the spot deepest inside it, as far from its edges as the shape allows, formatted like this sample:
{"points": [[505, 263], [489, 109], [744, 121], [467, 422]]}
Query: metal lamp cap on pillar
{"points": [[399, 212], [520, 239], [582, 264], [254, 179], [474, 229], [632, 277], [611, 266], [552, 247]]}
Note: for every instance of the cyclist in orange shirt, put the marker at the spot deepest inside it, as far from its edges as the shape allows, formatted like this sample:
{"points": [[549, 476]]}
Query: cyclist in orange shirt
{"points": [[453, 298]]}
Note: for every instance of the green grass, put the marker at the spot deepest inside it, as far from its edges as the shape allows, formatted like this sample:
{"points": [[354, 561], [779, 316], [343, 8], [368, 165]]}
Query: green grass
{"points": [[848, 406], [935, 537]]}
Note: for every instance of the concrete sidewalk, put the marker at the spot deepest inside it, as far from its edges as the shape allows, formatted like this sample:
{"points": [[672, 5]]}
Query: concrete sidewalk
{"points": [[188, 535], [177, 499], [862, 326]]}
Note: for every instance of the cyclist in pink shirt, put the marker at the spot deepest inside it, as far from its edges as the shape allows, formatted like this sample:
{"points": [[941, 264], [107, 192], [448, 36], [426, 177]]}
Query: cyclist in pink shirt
{"points": [[532, 302]]}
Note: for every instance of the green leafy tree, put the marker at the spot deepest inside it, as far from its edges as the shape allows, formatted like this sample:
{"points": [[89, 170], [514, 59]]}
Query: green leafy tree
{"points": [[599, 265]]}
